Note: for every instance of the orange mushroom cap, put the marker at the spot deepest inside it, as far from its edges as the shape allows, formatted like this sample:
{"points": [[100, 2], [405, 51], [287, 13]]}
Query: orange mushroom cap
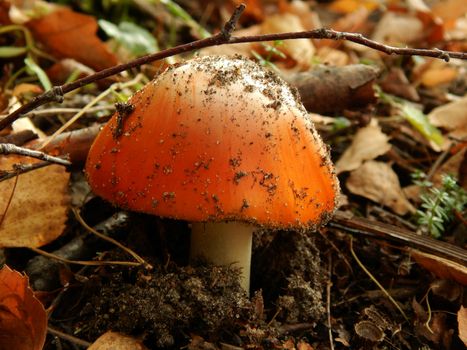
{"points": [[216, 139]]}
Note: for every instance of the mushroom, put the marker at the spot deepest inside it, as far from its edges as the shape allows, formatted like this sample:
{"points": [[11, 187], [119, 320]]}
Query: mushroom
{"points": [[220, 142]]}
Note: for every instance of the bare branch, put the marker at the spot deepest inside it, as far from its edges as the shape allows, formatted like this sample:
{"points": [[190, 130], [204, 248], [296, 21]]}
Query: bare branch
{"points": [[223, 38], [21, 169], [9, 148]]}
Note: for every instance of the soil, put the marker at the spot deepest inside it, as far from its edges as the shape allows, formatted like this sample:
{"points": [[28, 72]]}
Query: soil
{"points": [[201, 306]]}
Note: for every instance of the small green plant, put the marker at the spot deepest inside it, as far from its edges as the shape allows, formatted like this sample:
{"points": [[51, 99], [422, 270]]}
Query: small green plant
{"points": [[439, 205], [271, 52]]}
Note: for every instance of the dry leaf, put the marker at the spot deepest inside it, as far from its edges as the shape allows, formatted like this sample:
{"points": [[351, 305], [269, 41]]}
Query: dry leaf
{"points": [[451, 116], [309, 18], [38, 210], [397, 28], [349, 6], [438, 73], [68, 34], [446, 289], [396, 82], [116, 341], [452, 166], [301, 50], [302, 345], [449, 11], [368, 143], [378, 182], [441, 267], [329, 56], [23, 320], [462, 321], [331, 89]]}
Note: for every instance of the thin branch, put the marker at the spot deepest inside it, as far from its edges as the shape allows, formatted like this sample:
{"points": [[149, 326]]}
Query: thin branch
{"points": [[21, 169], [68, 337], [380, 286], [9, 148], [82, 262], [139, 259], [223, 38], [353, 37]]}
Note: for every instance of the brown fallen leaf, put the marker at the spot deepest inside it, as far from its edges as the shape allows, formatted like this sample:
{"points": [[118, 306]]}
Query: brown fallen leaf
{"points": [[438, 73], [349, 6], [116, 341], [441, 267], [462, 322], [68, 34], [362, 150], [301, 51], [332, 89], [23, 320], [452, 117], [449, 11], [38, 209], [398, 28], [378, 182], [396, 82], [452, 166]]}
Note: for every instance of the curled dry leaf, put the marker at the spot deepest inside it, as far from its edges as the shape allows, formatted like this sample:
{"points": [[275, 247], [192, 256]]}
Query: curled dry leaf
{"points": [[369, 330], [331, 89], [37, 212], [116, 341], [378, 182], [23, 320], [369, 142], [452, 117], [462, 322], [441, 267], [68, 34]]}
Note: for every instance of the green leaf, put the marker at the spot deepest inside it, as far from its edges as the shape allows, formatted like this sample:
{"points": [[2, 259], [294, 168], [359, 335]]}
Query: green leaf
{"points": [[420, 122], [414, 116], [12, 51], [176, 10], [41, 75], [134, 38]]}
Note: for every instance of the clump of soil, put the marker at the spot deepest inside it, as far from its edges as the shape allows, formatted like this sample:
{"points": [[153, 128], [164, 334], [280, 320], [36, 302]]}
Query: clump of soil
{"points": [[166, 306], [174, 303], [287, 267]]}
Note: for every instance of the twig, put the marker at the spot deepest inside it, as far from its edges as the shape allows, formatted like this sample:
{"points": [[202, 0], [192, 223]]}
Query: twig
{"points": [[21, 169], [139, 259], [8, 203], [9, 148], [229, 27], [442, 157], [328, 302], [223, 38], [81, 262], [68, 337], [67, 110], [83, 110], [380, 286]]}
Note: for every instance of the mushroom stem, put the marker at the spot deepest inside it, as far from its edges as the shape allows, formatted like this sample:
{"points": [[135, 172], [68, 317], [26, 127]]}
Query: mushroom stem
{"points": [[224, 243]]}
